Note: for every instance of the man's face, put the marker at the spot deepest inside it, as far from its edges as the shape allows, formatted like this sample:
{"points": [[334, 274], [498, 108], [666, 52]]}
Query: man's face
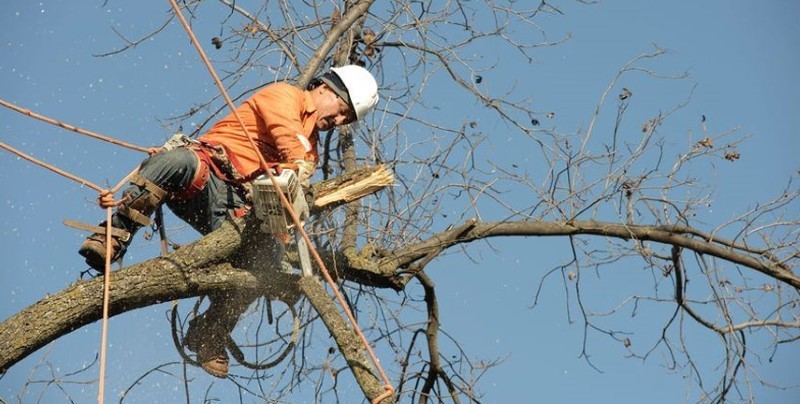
{"points": [[332, 110]]}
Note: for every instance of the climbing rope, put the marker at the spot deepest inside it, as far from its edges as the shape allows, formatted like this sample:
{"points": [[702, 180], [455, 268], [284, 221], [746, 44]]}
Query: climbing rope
{"points": [[99, 189], [235, 351], [148, 150], [52, 168], [106, 195], [389, 390], [107, 282], [106, 199]]}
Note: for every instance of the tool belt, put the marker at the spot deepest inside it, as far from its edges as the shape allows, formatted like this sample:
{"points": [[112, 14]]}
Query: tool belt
{"points": [[210, 158], [200, 179]]}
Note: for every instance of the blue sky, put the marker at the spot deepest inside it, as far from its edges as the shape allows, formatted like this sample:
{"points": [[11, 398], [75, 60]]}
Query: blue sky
{"points": [[742, 59]]}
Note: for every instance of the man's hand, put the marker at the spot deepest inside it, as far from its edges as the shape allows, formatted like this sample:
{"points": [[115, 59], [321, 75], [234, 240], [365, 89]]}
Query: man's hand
{"points": [[106, 200], [305, 169]]}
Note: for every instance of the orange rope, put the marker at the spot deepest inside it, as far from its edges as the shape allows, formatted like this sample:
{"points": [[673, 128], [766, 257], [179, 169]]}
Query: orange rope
{"points": [[74, 129], [52, 168], [73, 177], [295, 219], [107, 274], [105, 199], [106, 297], [107, 285]]}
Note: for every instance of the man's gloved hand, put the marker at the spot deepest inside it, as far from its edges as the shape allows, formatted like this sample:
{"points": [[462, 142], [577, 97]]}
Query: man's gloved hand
{"points": [[305, 169], [299, 206]]}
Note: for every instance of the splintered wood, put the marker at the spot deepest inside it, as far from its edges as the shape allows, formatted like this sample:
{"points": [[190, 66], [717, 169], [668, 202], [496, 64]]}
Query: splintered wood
{"points": [[353, 186]]}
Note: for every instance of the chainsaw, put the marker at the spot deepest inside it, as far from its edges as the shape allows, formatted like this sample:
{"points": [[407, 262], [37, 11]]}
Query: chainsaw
{"points": [[273, 216]]}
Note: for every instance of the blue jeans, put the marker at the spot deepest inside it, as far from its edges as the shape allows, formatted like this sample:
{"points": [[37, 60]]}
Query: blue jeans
{"points": [[173, 171]]}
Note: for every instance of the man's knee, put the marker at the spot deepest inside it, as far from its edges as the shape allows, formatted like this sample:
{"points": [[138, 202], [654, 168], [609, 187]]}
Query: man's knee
{"points": [[180, 157], [171, 169]]}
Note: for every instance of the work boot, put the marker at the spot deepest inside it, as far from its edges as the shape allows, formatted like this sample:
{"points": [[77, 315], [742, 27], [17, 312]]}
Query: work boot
{"points": [[210, 349], [144, 198], [94, 250], [215, 365]]}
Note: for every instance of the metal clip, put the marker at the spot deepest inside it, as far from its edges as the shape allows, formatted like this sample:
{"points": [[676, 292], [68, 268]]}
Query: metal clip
{"points": [[178, 140]]}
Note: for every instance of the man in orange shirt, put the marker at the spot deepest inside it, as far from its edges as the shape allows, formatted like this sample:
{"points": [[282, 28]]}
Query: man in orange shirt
{"points": [[204, 180]]}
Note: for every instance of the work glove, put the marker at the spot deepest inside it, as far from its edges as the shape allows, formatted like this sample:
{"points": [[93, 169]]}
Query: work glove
{"points": [[300, 205], [305, 169]]}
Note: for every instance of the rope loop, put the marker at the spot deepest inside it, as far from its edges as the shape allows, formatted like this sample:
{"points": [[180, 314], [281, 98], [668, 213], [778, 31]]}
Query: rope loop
{"points": [[106, 199]]}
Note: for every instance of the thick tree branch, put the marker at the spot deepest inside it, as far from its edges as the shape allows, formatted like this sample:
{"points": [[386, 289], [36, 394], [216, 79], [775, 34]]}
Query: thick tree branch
{"points": [[200, 268], [196, 269], [672, 235], [349, 344]]}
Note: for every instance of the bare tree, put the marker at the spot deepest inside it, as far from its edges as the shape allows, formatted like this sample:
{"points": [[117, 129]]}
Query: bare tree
{"points": [[618, 201]]}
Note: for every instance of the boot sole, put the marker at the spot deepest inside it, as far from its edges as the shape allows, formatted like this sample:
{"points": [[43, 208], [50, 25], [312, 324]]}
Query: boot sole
{"points": [[93, 259], [216, 373]]}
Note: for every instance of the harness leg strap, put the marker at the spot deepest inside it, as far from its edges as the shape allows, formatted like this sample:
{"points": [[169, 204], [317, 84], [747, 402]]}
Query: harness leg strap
{"points": [[140, 209]]}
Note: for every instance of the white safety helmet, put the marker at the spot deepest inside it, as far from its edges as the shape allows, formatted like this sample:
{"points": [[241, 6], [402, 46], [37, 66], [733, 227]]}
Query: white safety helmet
{"points": [[360, 88]]}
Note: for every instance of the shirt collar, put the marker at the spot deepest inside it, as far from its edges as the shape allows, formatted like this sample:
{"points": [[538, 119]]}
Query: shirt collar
{"points": [[310, 107]]}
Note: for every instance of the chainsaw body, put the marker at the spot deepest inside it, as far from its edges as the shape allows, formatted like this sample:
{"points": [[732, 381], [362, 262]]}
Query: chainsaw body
{"points": [[267, 203]]}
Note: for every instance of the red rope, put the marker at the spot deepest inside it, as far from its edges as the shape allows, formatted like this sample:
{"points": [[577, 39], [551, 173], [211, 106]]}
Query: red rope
{"points": [[295, 219]]}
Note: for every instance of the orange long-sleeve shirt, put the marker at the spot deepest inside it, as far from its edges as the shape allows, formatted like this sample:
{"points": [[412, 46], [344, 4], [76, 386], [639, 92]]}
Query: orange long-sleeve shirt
{"points": [[280, 118]]}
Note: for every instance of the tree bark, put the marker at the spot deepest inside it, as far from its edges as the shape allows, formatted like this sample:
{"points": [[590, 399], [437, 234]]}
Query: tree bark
{"points": [[676, 235], [194, 270], [349, 343], [203, 267]]}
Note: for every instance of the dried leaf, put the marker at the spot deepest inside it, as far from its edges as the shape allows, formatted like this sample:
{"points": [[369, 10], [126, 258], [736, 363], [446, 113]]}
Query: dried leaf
{"points": [[732, 155], [707, 142], [368, 37], [625, 94]]}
